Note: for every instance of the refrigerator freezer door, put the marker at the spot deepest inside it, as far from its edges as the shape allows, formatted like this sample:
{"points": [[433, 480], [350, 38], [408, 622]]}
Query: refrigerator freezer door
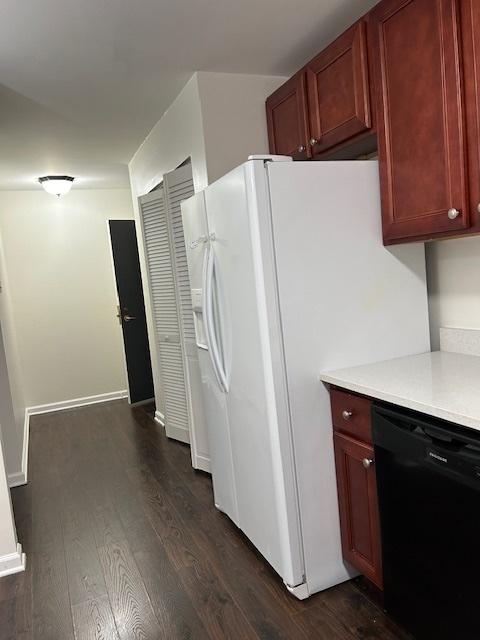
{"points": [[221, 463], [267, 502], [345, 299]]}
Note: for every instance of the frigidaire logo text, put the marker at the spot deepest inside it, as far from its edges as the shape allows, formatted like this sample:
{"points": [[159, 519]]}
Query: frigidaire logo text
{"points": [[437, 457]]}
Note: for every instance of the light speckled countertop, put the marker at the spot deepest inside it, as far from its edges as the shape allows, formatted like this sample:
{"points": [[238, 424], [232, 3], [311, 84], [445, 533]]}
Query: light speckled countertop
{"points": [[441, 384]]}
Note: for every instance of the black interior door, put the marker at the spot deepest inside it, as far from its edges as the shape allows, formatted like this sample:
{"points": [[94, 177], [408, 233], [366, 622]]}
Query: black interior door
{"points": [[132, 309]]}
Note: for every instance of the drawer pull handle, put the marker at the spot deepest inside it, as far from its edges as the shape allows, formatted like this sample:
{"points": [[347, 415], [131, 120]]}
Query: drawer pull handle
{"points": [[346, 415], [367, 463]]}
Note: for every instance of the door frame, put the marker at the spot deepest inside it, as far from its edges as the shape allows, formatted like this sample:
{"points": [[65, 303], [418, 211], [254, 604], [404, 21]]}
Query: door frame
{"points": [[151, 327], [114, 277]]}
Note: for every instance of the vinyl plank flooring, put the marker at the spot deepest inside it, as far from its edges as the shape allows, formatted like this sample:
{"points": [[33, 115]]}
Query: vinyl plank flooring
{"points": [[357, 615], [173, 607], [84, 571], [7, 616], [93, 620], [220, 615], [52, 617], [123, 542], [17, 589], [131, 605]]}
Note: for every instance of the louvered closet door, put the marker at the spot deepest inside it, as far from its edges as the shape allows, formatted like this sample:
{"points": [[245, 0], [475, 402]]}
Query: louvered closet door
{"points": [[157, 240], [178, 187]]}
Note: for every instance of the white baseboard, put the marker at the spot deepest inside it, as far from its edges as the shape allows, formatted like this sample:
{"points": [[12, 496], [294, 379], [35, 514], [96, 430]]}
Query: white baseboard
{"points": [[17, 479], [173, 432], [13, 562], [202, 463], [20, 477], [160, 418], [142, 402], [178, 434], [77, 402]]}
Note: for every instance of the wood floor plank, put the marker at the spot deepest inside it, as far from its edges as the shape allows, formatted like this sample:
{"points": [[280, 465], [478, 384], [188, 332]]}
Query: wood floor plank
{"points": [[93, 620], [174, 609], [84, 571], [131, 606], [220, 615], [7, 617], [320, 623], [358, 616], [52, 617], [106, 524]]}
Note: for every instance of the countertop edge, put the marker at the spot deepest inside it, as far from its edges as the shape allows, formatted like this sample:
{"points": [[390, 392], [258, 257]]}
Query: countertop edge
{"points": [[401, 401]]}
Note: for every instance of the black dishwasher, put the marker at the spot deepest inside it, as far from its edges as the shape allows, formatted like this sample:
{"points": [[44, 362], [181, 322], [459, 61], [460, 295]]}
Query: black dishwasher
{"points": [[428, 477]]}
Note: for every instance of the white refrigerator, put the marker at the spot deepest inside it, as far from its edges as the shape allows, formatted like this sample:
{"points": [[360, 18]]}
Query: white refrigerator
{"points": [[289, 278]]}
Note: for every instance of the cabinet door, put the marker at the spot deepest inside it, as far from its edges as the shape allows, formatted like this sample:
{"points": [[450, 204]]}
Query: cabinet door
{"points": [[338, 90], [471, 61], [287, 119], [420, 118], [357, 497]]}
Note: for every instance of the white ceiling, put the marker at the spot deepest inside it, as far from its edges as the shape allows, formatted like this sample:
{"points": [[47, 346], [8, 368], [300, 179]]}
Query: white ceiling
{"points": [[84, 81]]}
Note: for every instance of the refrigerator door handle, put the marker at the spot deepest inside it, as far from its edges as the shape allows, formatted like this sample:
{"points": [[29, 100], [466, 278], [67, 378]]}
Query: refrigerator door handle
{"points": [[212, 343]]}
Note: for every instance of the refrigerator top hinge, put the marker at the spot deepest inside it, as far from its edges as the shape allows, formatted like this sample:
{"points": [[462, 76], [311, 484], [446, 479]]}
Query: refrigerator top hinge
{"points": [[271, 158]]}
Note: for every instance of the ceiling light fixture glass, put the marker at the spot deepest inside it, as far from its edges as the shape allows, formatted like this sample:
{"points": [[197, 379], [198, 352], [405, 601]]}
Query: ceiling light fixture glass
{"points": [[57, 185]]}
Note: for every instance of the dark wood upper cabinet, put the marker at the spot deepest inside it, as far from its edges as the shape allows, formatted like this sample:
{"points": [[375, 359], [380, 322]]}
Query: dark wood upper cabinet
{"points": [[339, 90], [420, 118], [357, 497], [471, 62], [287, 119]]}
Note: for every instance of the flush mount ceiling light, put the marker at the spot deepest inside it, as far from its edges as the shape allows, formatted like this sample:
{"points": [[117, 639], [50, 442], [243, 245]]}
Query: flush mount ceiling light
{"points": [[57, 185]]}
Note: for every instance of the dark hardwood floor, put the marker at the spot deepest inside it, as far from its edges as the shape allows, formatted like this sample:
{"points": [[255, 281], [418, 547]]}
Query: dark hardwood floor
{"points": [[123, 541]]}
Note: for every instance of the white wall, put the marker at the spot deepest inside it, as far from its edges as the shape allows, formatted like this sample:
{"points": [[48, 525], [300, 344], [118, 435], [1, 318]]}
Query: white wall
{"points": [[453, 268], [176, 136], [61, 286], [234, 120], [217, 120], [12, 401]]}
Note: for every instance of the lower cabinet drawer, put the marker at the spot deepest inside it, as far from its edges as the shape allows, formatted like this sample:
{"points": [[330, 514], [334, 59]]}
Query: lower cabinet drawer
{"points": [[357, 497], [351, 414]]}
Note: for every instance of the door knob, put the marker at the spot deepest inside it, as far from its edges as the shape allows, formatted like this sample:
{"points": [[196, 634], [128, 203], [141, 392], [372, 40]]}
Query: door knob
{"points": [[313, 141], [301, 148], [127, 318], [453, 213], [346, 415], [367, 463]]}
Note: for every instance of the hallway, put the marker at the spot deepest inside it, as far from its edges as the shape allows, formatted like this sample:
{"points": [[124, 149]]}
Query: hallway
{"points": [[123, 541]]}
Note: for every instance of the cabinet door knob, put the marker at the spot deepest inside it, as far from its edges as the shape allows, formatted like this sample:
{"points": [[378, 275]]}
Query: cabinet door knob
{"points": [[453, 213], [346, 415], [301, 148], [367, 463], [313, 141]]}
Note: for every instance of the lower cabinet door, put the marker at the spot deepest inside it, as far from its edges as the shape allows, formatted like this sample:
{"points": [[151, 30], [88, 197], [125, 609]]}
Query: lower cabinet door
{"points": [[357, 495]]}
